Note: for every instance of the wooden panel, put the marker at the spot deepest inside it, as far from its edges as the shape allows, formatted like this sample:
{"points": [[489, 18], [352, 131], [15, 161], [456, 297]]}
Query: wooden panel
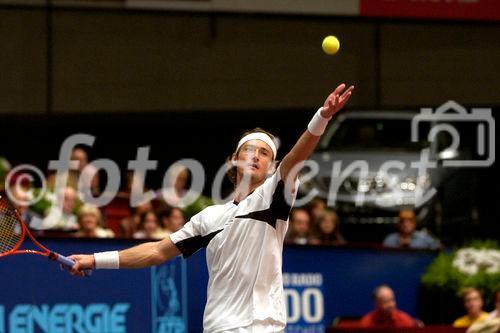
{"points": [[144, 61], [429, 64], [22, 61]]}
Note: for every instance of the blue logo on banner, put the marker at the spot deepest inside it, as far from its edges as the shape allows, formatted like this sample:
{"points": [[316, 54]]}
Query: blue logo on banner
{"points": [[65, 318], [305, 302], [169, 297]]}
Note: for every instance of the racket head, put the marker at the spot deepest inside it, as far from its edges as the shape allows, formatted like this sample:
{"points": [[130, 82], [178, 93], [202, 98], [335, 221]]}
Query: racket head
{"points": [[12, 229]]}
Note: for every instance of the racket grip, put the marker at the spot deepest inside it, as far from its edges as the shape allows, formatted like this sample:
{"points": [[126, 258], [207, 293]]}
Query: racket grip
{"points": [[70, 263]]}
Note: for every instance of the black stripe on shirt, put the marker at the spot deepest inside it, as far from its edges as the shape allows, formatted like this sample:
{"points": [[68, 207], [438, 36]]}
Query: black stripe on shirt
{"points": [[279, 209], [190, 245]]}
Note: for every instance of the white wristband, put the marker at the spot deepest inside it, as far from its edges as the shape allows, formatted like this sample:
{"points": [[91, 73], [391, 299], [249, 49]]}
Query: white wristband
{"points": [[318, 124], [107, 260]]}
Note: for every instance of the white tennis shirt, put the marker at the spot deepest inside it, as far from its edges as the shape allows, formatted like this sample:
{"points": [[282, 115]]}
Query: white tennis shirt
{"points": [[244, 244]]}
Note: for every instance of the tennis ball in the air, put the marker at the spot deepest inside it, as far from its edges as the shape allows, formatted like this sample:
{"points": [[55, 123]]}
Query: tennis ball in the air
{"points": [[330, 45]]}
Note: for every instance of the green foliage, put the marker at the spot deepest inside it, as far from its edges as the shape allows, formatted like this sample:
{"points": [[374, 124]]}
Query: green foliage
{"points": [[197, 206], [42, 206], [4, 169], [442, 275]]}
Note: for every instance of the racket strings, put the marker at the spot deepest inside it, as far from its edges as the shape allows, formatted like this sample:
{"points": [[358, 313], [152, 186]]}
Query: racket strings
{"points": [[10, 228]]}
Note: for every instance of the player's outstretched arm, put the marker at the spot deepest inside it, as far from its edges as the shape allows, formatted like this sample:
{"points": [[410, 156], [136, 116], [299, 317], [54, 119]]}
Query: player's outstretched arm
{"points": [[310, 138], [140, 256]]}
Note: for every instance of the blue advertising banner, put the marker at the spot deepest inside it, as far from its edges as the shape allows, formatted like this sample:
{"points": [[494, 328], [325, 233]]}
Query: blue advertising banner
{"points": [[320, 284]]}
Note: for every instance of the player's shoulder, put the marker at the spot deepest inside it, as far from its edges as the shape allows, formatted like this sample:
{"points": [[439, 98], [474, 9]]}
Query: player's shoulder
{"points": [[213, 210], [272, 180]]}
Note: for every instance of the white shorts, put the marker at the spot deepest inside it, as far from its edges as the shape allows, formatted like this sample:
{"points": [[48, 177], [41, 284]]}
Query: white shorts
{"points": [[265, 326]]}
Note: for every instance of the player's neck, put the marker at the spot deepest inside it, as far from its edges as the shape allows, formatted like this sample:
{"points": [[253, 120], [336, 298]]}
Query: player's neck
{"points": [[244, 189]]}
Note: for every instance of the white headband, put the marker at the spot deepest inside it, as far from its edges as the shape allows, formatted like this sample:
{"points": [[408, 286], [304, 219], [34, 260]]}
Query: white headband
{"points": [[259, 136]]}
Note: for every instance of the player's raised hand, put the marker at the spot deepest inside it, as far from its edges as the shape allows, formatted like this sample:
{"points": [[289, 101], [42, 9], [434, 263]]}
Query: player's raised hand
{"points": [[336, 100], [82, 262]]}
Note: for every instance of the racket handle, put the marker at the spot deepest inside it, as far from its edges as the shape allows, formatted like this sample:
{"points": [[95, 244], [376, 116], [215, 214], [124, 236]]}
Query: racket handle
{"points": [[70, 263]]}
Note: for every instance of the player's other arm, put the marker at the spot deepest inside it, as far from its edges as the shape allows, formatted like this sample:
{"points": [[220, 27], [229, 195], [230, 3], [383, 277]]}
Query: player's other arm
{"points": [[310, 138], [140, 256], [148, 254]]}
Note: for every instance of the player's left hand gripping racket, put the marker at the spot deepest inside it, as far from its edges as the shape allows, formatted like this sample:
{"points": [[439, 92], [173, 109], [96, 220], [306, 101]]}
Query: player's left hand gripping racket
{"points": [[12, 233]]}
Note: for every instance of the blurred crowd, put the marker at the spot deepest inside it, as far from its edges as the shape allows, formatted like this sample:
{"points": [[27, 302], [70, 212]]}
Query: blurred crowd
{"points": [[154, 219], [387, 315], [313, 224], [316, 224]]}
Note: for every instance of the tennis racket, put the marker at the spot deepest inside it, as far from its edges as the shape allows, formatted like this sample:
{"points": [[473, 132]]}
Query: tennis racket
{"points": [[12, 233]]}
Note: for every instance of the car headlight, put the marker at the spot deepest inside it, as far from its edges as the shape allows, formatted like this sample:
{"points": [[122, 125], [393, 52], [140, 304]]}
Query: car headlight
{"points": [[410, 183]]}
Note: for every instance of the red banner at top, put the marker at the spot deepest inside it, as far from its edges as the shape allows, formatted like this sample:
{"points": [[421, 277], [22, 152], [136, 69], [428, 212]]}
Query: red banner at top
{"points": [[487, 10]]}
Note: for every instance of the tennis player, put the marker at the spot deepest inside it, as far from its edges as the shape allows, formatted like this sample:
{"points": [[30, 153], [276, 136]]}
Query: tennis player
{"points": [[243, 238]]}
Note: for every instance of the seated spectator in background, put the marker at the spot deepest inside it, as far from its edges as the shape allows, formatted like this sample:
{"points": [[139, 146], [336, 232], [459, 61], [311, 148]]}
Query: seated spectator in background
{"points": [[91, 223], [174, 195], [386, 313], [149, 227], [473, 304], [61, 219], [327, 230], [316, 207], [299, 230], [495, 313], [129, 225], [85, 173], [492, 323], [171, 220], [408, 236], [20, 199]]}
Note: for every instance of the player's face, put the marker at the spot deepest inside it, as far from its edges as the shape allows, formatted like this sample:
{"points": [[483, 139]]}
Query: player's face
{"points": [[255, 159]]}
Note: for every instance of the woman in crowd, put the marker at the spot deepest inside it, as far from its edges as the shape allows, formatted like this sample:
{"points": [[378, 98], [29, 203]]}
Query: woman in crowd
{"points": [[473, 304], [327, 229], [90, 222], [149, 227]]}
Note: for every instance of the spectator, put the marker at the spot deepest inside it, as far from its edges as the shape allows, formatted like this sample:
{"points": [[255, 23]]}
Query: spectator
{"points": [[492, 323], [90, 221], [171, 220], [174, 194], [20, 200], [473, 304], [386, 313], [129, 225], [316, 207], [496, 313], [408, 236], [149, 227], [299, 227], [61, 219], [85, 172], [328, 232]]}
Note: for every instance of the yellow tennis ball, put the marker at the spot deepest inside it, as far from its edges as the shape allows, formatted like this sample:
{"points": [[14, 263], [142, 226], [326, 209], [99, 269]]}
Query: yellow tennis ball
{"points": [[330, 45]]}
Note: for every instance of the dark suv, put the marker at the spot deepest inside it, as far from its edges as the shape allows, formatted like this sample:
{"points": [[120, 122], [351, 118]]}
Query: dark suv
{"points": [[369, 170]]}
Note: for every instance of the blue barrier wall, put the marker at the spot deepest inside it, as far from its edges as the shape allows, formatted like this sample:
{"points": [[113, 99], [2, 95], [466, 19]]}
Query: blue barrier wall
{"points": [[320, 284]]}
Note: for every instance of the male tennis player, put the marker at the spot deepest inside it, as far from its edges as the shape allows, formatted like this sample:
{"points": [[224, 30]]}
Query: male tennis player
{"points": [[243, 238]]}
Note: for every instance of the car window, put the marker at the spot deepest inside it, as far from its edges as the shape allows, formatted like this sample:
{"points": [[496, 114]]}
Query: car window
{"points": [[377, 134]]}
